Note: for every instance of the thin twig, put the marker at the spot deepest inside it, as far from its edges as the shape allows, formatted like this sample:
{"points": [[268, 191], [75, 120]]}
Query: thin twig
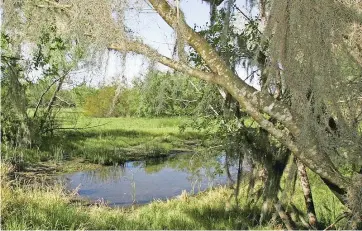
{"points": [[252, 73], [343, 215], [64, 101], [182, 100], [99, 125], [41, 97], [247, 17]]}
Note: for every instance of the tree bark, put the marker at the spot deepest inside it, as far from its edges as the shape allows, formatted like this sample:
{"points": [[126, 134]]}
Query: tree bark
{"points": [[307, 194], [262, 14]]}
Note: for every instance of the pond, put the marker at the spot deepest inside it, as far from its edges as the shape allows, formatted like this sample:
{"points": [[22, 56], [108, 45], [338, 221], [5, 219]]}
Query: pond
{"points": [[141, 182]]}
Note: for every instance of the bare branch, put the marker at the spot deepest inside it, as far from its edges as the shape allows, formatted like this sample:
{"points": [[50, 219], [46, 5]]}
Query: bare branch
{"points": [[42, 95], [141, 48], [240, 11]]}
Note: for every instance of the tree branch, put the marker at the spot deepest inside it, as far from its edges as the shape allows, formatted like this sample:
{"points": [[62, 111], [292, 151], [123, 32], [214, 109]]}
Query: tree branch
{"points": [[233, 84], [42, 95], [255, 102], [139, 47], [240, 11], [318, 162]]}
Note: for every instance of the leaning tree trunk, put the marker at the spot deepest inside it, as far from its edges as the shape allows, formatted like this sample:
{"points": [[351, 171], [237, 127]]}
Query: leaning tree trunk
{"points": [[307, 191], [255, 103]]}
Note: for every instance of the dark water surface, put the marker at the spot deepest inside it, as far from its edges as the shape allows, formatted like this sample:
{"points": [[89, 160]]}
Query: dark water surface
{"points": [[143, 181]]}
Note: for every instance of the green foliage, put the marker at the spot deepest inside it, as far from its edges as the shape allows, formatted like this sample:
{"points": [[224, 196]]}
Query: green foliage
{"points": [[114, 140], [29, 103], [99, 104], [166, 94], [236, 46], [159, 94], [129, 102], [81, 93], [157, 98], [14, 121]]}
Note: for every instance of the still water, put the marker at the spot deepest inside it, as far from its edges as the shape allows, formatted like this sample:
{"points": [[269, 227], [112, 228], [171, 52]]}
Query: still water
{"points": [[141, 182]]}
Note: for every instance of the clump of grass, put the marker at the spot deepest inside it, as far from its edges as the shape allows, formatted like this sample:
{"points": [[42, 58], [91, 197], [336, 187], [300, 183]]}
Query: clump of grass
{"points": [[20, 157]]}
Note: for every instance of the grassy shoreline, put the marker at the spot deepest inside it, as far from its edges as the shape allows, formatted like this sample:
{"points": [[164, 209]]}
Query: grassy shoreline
{"points": [[35, 207], [42, 206], [45, 206]]}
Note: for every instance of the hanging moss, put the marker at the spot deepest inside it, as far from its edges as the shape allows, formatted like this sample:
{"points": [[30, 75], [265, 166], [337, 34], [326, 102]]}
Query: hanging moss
{"points": [[312, 44]]}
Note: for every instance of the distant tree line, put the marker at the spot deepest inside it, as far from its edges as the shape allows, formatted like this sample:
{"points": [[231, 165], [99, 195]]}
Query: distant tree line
{"points": [[158, 94]]}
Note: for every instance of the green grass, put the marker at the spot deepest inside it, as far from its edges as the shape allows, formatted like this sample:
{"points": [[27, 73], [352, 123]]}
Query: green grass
{"points": [[41, 206], [328, 207], [50, 207], [109, 141], [112, 140]]}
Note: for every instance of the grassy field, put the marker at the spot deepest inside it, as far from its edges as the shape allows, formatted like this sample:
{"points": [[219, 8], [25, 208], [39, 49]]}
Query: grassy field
{"points": [[110, 141]]}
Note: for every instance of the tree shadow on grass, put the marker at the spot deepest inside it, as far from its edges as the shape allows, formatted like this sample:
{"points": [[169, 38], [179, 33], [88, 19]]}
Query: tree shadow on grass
{"points": [[115, 146], [220, 218], [82, 135]]}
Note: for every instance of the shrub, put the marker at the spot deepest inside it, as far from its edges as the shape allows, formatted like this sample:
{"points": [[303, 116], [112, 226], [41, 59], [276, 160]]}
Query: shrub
{"points": [[99, 104]]}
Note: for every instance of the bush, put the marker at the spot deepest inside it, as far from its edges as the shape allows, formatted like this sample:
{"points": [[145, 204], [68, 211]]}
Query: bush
{"points": [[129, 101], [99, 104]]}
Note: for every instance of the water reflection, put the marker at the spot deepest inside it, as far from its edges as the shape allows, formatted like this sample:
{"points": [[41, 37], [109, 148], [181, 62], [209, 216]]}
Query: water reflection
{"points": [[143, 181]]}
